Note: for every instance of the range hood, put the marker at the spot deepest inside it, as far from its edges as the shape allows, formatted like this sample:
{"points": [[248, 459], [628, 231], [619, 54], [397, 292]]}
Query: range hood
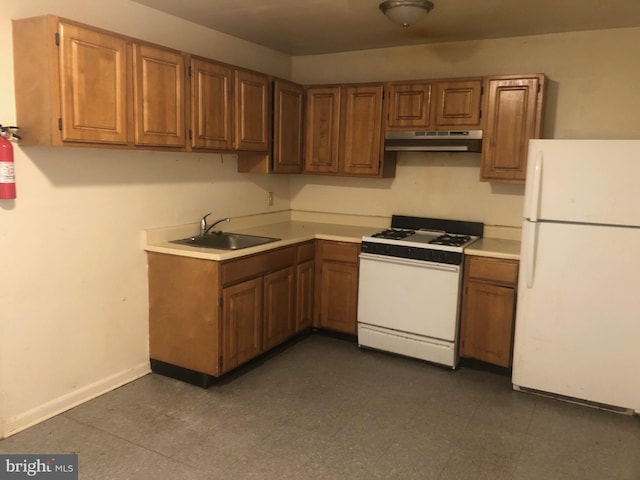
{"points": [[432, 141]]}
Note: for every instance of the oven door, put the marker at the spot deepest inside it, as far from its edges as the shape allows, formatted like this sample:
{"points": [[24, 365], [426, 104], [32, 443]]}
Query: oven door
{"points": [[416, 297]]}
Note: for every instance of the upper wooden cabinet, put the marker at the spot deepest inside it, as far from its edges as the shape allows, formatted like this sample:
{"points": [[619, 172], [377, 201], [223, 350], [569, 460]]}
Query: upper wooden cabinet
{"points": [[71, 83], [93, 68], [361, 144], [434, 104], [343, 131], [159, 96], [513, 115], [211, 104], [251, 91], [457, 104], [408, 106], [287, 126], [78, 85], [322, 129]]}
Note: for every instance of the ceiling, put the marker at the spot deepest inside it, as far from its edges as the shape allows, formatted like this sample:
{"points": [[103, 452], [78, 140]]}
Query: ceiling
{"points": [[308, 27]]}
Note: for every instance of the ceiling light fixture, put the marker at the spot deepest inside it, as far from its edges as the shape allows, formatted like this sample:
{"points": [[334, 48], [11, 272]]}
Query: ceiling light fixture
{"points": [[406, 12]]}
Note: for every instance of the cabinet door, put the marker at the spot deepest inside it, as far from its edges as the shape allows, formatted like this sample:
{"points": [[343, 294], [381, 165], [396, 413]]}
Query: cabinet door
{"points": [[287, 127], [251, 92], [241, 323], [159, 85], [322, 129], [304, 295], [93, 91], [211, 105], [513, 117], [361, 143], [339, 296], [279, 320], [457, 104], [487, 323], [408, 106]]}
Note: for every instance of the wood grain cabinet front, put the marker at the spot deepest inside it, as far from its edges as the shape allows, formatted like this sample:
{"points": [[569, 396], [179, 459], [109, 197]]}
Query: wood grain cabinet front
{"points": [[457, 104], [252, 127], [159, 96], [514, 108], [211, 105], [71, 83], [242, 323], [211, 317], [343, 131], [488, 309], [337, 280]]}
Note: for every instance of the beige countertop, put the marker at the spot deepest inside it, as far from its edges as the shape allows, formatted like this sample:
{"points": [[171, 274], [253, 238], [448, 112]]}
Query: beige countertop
{"points": [[495, 247], [299, 229], [289, 232]]}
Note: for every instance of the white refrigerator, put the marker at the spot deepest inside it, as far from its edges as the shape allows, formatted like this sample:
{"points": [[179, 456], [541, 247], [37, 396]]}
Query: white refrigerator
{"points": [[577, 330]]}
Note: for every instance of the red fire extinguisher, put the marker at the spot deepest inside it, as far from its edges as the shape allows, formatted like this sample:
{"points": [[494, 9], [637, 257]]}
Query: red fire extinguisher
{"points": [[7, 171]]}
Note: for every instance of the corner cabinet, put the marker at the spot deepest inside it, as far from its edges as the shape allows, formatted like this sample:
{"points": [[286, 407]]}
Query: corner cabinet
{"points": [[343, 131], [337, 280], [514, 107], [207, 318], [488, 309]]}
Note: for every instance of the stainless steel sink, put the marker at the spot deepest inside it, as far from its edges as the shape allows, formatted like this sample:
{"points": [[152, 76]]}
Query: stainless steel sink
{"points": [[225, 241]]}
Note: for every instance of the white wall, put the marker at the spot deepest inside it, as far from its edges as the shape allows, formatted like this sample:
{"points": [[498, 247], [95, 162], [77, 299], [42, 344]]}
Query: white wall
{"points": [[592, 94], [73, 288]]}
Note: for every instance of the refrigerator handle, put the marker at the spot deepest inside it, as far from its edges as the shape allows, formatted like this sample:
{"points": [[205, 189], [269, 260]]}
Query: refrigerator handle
{"points": [[536, 185], [530, 252]]}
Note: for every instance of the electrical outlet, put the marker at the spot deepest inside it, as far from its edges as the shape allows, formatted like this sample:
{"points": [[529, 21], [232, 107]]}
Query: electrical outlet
{"points": [[270, 199]]}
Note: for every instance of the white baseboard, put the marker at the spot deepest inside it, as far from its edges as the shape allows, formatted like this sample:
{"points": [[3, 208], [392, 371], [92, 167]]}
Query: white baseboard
{"points": [[24, 420]]}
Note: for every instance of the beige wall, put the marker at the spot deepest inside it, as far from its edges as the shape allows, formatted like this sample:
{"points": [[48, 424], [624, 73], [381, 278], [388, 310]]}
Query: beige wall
{"points": [[73, 289], [592, 94]]}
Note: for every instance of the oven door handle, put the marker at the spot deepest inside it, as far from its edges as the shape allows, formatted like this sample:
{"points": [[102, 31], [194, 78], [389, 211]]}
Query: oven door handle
{"points": [[408, 261]]}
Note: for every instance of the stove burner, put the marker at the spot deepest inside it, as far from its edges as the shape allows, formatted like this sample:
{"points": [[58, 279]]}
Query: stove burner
{"points": [[451, 240], [393, 234]]}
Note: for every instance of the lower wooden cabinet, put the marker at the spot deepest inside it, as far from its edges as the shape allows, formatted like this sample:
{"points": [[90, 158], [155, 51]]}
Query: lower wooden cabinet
{"points": [[279, 307], [210, 317], [488, 309], [241, 323], [337, 277], [305, 285], [184, 313]]}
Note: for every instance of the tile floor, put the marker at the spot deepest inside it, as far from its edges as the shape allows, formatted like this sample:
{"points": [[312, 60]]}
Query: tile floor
{"points": [[324, 409]]}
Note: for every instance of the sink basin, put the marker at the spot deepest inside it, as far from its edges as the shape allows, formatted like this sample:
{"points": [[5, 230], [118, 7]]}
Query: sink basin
{"points": [[225, 241]]}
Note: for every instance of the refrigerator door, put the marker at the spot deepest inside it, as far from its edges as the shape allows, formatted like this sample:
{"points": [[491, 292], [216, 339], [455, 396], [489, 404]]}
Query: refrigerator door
{"points": [[588, 181], [578, 325]]}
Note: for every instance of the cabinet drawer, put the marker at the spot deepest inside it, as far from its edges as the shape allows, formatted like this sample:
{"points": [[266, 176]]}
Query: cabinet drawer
{"points": [[304, 252], [259, 264], [339, 251], [492, 270]]}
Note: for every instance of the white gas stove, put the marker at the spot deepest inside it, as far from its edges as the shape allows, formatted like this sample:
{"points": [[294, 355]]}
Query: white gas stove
{"points": [[409, 287]]}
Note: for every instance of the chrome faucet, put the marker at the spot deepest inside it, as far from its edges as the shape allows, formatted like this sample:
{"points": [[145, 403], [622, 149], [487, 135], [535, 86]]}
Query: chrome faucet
{"points": [[204, 227]]}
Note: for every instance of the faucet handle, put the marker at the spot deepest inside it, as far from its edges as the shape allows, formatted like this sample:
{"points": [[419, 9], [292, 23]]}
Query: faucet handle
{"points": [[203, 224]]}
